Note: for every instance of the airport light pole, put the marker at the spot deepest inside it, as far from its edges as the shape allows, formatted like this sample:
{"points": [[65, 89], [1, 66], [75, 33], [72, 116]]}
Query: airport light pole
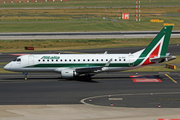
{"points": [[138, 10]]}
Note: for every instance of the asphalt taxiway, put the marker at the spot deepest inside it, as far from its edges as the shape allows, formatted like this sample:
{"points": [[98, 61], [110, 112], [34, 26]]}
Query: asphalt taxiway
{"points": [[83, 35], [110, 96], [49, 88]]}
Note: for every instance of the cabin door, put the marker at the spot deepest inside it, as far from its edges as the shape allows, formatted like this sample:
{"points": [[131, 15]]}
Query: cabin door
{"points": [[31, 60]]}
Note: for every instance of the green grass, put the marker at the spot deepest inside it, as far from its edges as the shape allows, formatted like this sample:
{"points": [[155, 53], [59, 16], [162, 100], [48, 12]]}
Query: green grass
{"points": [[91, 3], [3, 63], [67, 20], [51, 45], [86, 26], [4, 71]]}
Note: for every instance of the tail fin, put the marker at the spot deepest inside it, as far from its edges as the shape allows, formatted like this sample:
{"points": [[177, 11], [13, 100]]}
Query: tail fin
{"points": [[157, 48]]}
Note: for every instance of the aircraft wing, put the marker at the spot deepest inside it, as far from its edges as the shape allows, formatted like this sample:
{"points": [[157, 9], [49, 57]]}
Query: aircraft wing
{"points": [[93, 69], [89, 69]]}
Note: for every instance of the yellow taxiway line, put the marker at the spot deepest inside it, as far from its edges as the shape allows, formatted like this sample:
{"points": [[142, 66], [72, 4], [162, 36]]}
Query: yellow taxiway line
{"points": [[171, 78]]}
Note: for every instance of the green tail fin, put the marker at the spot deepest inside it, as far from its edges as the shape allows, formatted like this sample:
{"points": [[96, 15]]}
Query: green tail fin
{"points": [[161, 41]]}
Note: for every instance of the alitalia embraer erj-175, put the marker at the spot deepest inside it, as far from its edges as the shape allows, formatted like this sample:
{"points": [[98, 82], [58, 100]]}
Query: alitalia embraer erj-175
{"points": [[75, 65]]}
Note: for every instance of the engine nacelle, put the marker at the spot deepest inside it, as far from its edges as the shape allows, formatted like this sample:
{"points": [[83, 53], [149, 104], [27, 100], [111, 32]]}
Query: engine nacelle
{"points": [[68, 73]]}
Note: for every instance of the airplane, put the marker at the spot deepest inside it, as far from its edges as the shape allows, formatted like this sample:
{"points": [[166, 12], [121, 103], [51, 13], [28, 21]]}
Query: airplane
{"points": [[76, 65]]}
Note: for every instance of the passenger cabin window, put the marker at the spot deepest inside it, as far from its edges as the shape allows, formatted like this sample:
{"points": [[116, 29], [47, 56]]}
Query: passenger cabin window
{"points": [[124, 59]]}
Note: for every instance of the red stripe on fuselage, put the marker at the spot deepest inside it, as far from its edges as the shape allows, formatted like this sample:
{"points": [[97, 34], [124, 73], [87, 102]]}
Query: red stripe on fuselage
{"points": [[152, 55]]}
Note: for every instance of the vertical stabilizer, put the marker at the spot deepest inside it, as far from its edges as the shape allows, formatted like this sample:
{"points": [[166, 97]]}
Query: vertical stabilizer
{"points": [[157, 48], [159, 44]]}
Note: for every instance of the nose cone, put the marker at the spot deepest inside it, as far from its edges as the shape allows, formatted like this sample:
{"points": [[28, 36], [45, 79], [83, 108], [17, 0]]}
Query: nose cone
{"points": [[7, 67]]}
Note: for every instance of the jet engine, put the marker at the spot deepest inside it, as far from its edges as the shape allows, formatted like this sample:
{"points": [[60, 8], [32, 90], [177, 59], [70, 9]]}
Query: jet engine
{"points": [[68, 73]]}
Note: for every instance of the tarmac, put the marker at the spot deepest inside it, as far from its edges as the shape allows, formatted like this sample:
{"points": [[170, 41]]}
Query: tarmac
{"points": [[111, 96], [84, 112], [82, 35]]}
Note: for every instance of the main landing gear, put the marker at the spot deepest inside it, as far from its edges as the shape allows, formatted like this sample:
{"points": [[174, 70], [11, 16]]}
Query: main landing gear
{"points": [[25, 75]]}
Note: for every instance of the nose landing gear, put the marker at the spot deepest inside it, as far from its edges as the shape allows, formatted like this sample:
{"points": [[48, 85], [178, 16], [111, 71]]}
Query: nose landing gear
{"points": [[25, 75]]}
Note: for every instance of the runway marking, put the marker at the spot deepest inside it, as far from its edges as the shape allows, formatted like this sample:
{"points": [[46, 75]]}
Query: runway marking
{"points": [[83, 100], [115, 98], [149, 78], [171, 78]]}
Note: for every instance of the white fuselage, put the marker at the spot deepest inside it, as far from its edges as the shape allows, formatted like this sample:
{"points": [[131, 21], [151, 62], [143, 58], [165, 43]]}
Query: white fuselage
{"points": [[58, 62]]}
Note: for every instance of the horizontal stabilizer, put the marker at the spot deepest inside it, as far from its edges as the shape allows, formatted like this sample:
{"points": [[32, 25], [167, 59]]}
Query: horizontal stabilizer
{"points": [[162, 59]]}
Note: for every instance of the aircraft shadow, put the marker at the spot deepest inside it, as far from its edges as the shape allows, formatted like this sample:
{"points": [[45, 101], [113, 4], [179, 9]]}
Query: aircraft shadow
{"points": [[80, 79]]}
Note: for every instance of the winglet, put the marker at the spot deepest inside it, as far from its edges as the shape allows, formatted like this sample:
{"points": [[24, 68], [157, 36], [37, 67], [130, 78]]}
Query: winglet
{"points": [[105, 52]]}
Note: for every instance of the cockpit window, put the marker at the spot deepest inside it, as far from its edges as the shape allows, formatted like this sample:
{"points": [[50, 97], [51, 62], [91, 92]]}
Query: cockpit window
{"points": [[17, 59]]}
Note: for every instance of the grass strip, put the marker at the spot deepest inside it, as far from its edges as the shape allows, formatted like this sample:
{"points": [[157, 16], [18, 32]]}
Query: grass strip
{"points": [[91, 24], [85, 19], [4, 71], [57, 45], [88, 3]]}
